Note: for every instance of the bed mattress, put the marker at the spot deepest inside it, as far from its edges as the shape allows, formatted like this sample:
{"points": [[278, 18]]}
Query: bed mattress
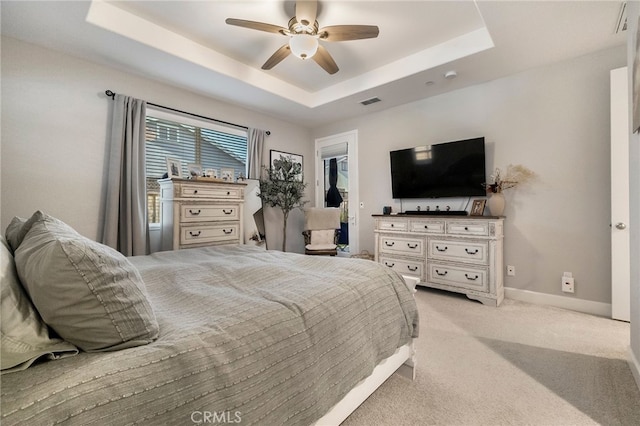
{"points": [[246, 336]]}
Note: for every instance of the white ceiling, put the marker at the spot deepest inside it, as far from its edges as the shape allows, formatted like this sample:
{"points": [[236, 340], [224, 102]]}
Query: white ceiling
{"points": [[188, 44]]}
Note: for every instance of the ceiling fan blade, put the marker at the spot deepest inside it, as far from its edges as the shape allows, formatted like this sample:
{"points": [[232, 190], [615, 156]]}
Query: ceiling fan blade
{"points": [[348, 32], [260, 26], [277, 57], [306, 11], [324, 59]]}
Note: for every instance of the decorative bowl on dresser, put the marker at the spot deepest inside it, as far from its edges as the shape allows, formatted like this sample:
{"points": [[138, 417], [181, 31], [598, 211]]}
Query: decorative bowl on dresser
{"points": [[197, 213], [460, 254]]}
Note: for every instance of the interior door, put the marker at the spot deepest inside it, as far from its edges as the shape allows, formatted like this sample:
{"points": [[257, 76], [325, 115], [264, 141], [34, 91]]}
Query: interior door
{"points": [[620, 248], [340, 145]]}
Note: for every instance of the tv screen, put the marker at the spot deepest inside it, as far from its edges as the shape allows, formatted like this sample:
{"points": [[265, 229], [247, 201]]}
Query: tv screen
{"points": [[451, 169]]}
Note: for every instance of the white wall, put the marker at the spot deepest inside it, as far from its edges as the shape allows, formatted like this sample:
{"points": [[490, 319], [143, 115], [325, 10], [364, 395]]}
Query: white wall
{"points": [[633, 15], [54, 126], [554, 120]]}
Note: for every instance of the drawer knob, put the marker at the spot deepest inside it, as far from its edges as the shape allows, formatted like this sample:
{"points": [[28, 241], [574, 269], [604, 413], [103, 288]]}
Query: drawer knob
{"points": [[389, 244], [195, 234], [412, 269], [426, 227], [228, 192], [390, 265], [471, 278], [227, 231], [442, 274], [412, 246], [195, 191], [466, 228], [225, 211], [194, 212], [392, 225], [442, 249], [472, 252]]}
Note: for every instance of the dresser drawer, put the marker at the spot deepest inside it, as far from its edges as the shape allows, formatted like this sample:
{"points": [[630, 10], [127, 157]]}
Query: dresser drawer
{"points": [[403, 266], [466, 277], [427, 226], [209, 233], [392, 225], [459, 251], [208, 212], [399, 245], [468, 228], [219, 192]]}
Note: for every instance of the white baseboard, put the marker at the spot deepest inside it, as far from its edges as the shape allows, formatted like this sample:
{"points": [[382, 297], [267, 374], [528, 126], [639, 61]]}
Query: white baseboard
{"points": [[586, 306], [634, 365]]}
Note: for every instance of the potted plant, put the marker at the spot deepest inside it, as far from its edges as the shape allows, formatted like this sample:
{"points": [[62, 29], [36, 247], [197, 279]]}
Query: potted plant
{"points": [[283, 186], [513, 176]]}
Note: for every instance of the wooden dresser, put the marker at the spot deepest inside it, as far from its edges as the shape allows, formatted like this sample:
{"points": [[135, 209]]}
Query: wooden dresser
{"points": [[456, 253], [200, 213]]}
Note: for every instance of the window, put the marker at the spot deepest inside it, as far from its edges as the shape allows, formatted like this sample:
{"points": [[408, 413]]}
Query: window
{"points": [[192, 141]]}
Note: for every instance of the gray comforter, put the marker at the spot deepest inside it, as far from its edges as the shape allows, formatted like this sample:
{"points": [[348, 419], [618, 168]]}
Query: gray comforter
{"points": [[246, 336]]}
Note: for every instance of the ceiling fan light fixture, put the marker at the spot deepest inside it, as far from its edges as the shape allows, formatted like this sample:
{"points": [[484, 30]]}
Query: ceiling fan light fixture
{"points": [[304, 46]]}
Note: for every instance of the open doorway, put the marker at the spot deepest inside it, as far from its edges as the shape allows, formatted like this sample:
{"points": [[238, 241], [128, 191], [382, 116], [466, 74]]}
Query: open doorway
{"points": [[336, 184]]}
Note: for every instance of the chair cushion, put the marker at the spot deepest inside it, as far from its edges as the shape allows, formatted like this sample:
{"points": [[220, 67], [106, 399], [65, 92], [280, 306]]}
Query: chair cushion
{"points": [[90, 294], [320, 247], [324, 236]]}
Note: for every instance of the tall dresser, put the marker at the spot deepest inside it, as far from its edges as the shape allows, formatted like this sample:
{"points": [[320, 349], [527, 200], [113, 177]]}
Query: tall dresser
{"points": [[460, 254], [200, 213]]}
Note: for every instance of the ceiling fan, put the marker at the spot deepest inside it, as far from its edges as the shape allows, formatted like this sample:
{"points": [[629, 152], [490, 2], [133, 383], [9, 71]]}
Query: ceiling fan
{"points": [[304, 35]]}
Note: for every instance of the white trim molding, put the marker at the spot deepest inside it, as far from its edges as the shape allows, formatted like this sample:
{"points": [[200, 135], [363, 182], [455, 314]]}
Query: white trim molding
{"points": [[634, 365], [579, 305]]}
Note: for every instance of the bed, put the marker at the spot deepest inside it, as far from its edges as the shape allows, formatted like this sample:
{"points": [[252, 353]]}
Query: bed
{"points": [[242, 335]]}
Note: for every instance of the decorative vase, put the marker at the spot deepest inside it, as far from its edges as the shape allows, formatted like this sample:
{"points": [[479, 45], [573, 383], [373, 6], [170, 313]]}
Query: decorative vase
{"points": [[496, 204]]}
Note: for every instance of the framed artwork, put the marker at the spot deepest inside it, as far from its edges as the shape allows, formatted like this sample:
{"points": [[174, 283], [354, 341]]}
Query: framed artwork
{"points": [[195, 170], [211, 173], [478, 208], [277, 155], [174, 168], [227, 175]]}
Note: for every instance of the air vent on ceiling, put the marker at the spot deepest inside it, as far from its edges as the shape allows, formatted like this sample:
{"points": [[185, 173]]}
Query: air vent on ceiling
{"points": [[621, 24], [370, 101]]}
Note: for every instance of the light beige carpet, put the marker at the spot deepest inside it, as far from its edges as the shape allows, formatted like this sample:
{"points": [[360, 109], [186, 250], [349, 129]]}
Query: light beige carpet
{"points": [[519, 364]]}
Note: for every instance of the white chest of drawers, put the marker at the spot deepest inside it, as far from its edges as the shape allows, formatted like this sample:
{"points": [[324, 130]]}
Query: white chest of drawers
{"points": [[200, 213], [461, 254]]}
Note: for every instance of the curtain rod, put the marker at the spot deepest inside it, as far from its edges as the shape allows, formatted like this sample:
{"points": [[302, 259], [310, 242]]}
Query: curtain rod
{"points": [[112, 95]]}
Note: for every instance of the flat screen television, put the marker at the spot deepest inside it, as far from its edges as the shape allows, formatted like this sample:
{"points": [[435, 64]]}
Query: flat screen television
{"points": [[451, 169]]}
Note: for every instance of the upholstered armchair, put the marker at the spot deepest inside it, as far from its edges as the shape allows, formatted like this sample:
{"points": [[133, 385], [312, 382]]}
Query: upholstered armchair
{"points": [[321, 231]]}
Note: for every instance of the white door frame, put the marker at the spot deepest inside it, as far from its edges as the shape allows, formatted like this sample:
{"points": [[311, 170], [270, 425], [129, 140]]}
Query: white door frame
{"points": [[351, 139], [620, 235]]}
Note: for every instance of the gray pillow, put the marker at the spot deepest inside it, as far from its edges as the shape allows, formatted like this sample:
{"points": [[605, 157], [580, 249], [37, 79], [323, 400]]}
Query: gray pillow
{"points": [[16, 231], [90, 294], [24, 338]]}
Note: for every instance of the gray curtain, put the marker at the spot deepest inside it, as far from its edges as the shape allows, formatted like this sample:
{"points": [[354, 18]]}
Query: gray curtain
{"points": [[255, 139], [126, 228]]}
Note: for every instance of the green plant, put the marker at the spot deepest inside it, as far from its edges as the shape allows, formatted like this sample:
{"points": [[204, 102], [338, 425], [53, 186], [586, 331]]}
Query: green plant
{"points": [[283, 186]]}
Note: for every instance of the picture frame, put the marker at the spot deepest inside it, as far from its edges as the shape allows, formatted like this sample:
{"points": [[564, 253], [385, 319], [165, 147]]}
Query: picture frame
{"points": [[174, 168], [211, 173], [296, 158], [194, 170], [478, 208], [227, 175]]}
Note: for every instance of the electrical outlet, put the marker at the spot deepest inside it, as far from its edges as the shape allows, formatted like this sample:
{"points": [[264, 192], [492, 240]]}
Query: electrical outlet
{"points": [[361, 204], [568, 284], [511, 270]]}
